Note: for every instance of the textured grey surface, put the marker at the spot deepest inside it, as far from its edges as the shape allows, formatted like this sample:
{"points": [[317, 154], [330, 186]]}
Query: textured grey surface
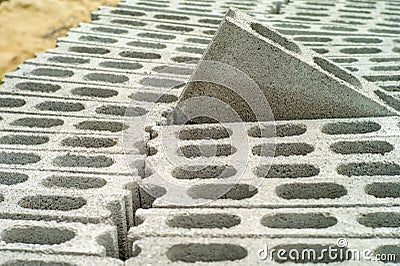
{"points": [[53, 237], [297, 83], [65, 165], [244, 251], [26, 258]]}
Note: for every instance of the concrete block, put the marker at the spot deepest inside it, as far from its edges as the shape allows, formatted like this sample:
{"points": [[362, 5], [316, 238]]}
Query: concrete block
{"points": [[127, 54], [92, 63], [246, 251], [106, 94], [201, 12], [154, 26], [160, 7], [46, 123], [373, 17], [72, 161], [134, 37], [58, 238], [360, 222], [332, 92], [186, 162], [87, 185], [62, 74], [72, 108], [116, 16], [66, 206], [64, 142], [262, 7], [26, 258], [62, 113], [138, 67], [349, 50]]}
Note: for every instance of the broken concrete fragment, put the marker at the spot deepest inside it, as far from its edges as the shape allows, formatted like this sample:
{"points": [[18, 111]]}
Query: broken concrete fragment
{"points": [[297, 82]]}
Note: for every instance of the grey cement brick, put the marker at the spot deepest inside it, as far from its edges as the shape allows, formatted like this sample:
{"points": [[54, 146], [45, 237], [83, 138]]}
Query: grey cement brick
{"points": [[49, 106], [340, 155], [112, 65], [85, 184], [183, 10], [362, 50], [128, 33], [274, 223], [107, 94], [23, 258], [243, 251], [262, 7], [31, 122], [58, 238], [329, 27], [73, 108], [376, 18], [91, 63], [327, 41], [131, 130], [156, 26], [165, 16], [132, 34], [199, 12], [66, 206], [192, 13], [127, 54], [348, 45], [188, 9], [72, 161], [104, 17], [371, 75], [312, 191], [373, 191], [286, 57], [82, 76], [63, 142]]}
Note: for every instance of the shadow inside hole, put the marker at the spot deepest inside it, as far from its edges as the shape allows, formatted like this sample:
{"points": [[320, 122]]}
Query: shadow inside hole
{"points": [[209, 220], [299, 220], [222, 191], [196, 252], [204, 172], [37, 235], [149, 193]]}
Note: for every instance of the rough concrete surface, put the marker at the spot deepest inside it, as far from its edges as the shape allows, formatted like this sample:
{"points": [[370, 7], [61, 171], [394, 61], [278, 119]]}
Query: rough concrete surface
{"points": [[93, 169]]}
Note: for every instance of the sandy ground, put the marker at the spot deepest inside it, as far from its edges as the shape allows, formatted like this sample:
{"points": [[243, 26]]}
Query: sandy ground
{"points": [[30, 26]]}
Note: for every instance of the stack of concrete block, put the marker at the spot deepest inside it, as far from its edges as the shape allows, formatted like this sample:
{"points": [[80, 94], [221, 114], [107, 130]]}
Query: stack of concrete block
{"points": [[328, 163], [68, 184]]}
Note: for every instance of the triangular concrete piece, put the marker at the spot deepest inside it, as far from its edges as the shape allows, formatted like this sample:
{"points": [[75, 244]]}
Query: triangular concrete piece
{"points": [[297, 82]]}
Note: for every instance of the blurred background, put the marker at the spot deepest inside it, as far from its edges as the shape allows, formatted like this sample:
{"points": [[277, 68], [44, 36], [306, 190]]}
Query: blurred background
{"points": [[30, 26]]}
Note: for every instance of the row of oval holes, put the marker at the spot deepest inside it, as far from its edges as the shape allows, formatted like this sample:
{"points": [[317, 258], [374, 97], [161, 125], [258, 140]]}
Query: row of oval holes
{"points": [[190, 252], [303, 16], [283, 130], [200, 51], [288, 191], [85, 92], [214, 191], [185, 71], [190, 151], [286, 130], [57, 106], [207, 172], [212, 32], [216, 22]]}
